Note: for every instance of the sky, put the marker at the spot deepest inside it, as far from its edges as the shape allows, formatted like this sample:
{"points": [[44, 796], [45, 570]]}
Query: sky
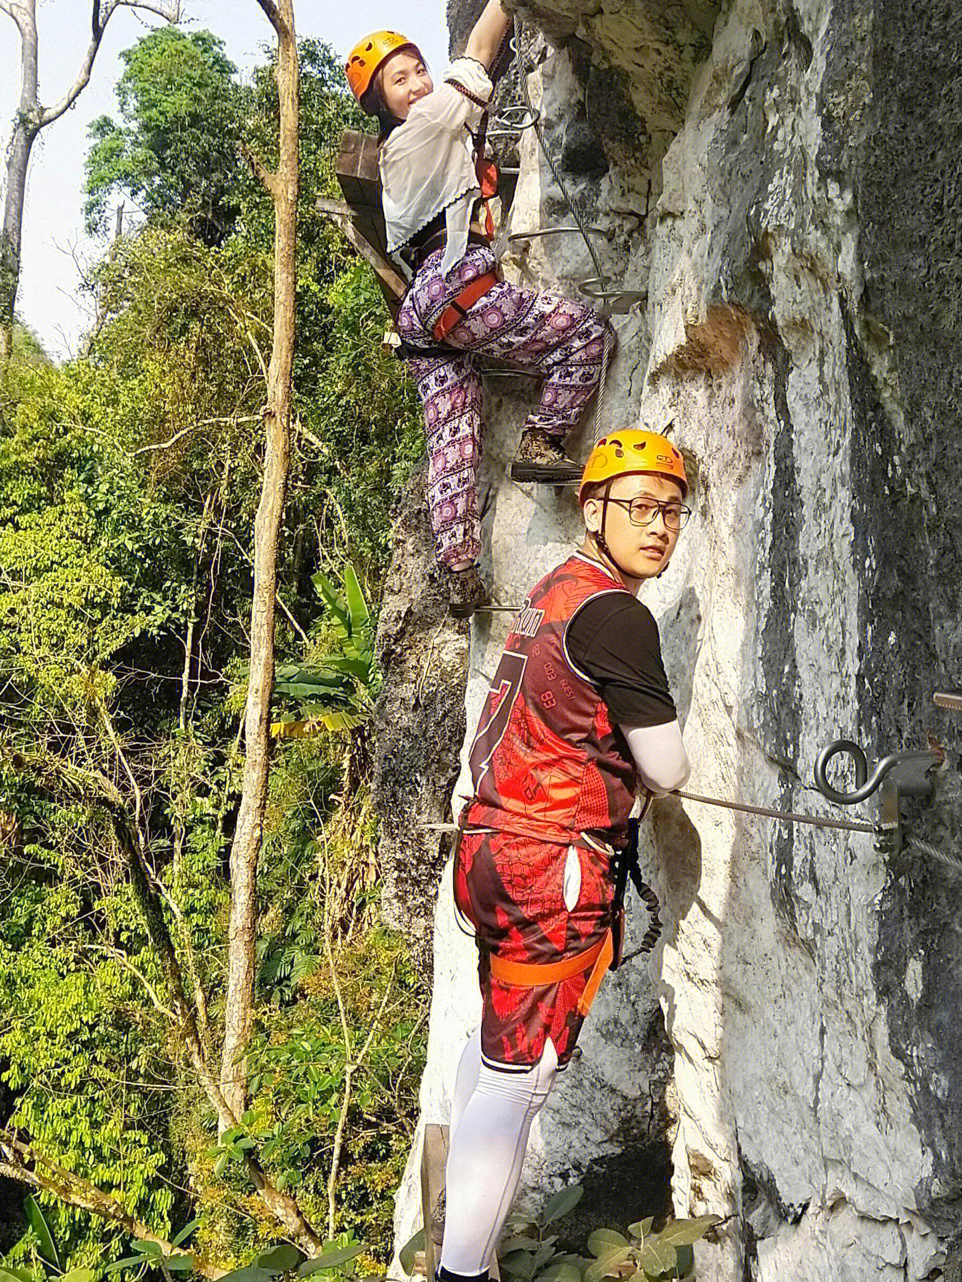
{"points": [[56, 250]]}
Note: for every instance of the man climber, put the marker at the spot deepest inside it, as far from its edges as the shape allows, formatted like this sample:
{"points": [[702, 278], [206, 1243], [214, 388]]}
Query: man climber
{"points": [[579, 718], [457, 305]]}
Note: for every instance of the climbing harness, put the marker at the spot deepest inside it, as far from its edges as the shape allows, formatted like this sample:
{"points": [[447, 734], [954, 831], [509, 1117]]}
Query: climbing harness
{"points": [[457, 309], [596, 959]]}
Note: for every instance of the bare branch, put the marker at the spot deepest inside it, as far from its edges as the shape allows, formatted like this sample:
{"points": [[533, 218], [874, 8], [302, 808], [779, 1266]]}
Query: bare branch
{"points": [[275, 19], [102, 13], [351, 1063], [165, 445], [15, 12], [125, 961], [201, 422], [258, 168]]}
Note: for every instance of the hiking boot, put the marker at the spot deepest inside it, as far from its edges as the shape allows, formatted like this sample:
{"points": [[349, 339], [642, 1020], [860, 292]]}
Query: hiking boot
{"points": [[467, 592], [541, 457]]}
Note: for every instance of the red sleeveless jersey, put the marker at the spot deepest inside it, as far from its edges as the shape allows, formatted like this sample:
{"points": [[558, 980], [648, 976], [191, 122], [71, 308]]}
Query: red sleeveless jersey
{"points": [[546, 761]]}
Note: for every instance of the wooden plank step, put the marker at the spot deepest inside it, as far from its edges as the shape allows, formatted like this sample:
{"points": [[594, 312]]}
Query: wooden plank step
{"points": [[434, 1156]]}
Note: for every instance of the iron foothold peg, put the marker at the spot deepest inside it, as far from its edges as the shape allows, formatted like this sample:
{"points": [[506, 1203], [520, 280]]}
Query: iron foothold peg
{"points": [[602, 289], [951, 699], [897, 774], [556, 231], [513, 120]]}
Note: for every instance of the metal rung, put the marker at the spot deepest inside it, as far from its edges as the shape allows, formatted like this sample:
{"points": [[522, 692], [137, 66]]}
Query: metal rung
{"points": [[573, 482], [556, 231], [514, 120], [951, 699], [598, 289]]}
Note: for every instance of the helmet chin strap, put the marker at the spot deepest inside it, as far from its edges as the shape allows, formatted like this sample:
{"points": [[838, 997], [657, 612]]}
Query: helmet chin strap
{"points": [[599, 536]]}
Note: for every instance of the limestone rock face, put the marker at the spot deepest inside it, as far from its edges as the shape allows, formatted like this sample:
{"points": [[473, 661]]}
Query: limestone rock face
{"points": [[780, 191], [419, 724]]}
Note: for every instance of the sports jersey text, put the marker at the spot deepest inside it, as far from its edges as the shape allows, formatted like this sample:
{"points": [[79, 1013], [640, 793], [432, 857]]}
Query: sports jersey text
{"points": [[528, 621]]}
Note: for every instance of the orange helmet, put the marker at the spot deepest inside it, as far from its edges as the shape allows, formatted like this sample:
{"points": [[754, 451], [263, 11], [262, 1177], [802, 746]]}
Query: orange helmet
{"points": [[630, 451], [368, 55]]}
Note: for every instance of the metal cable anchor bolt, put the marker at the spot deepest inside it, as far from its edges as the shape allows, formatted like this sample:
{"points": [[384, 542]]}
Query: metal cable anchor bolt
{"points": [[897, 775]]}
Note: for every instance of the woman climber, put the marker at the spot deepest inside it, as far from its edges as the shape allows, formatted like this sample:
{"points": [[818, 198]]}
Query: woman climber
{"points": [[457, 305], [578, 720]]}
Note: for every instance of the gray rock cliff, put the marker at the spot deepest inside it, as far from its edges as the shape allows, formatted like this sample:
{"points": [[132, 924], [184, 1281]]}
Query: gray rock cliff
{"points": [[780, 185]]}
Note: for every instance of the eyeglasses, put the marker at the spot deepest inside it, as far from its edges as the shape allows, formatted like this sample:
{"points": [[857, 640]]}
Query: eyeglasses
{"points": [[643, 511]]}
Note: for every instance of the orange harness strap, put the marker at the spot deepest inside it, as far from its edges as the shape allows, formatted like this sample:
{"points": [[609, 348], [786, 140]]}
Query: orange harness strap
{"points": [[455, 313], [597, 959]]}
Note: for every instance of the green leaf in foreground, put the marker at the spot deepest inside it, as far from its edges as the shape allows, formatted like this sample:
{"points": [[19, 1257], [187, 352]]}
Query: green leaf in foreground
{"points": [[48, 1251], [658, 1258], [684, 1232], [185, 1232], [331, 1258], [563, 1202], [278, 1259], [560, 1271], [409, 1250], [518, 1243], [604, 1240], [608, 1264]]}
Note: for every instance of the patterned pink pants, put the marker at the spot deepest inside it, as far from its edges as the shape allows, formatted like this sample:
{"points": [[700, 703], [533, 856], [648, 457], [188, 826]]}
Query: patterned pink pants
{"points": [[532, 329]]}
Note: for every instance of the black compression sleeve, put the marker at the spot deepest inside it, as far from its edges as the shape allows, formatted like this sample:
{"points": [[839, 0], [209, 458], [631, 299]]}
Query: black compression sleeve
{"points": [[614, 641]]}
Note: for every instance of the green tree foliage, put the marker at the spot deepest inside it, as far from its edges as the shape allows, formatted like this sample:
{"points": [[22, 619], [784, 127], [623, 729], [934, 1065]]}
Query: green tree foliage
{"points": [[175, 150], [128, 484]]}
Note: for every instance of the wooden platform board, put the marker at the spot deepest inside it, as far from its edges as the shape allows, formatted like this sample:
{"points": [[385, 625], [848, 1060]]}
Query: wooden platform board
{"points": [[361, 217], [434, 1156]]}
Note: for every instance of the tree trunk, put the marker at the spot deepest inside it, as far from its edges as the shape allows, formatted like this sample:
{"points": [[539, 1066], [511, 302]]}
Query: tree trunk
{"points": [[283, 187], [25, 130], [30, 119]]}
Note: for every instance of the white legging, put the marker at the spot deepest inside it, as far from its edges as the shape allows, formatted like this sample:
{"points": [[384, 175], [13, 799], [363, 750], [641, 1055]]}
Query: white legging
{"points": [[491, 1115]]}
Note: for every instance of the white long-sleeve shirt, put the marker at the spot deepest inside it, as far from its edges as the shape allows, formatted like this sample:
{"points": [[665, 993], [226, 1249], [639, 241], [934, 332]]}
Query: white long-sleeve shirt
{"points": [[659, 756], [427, 163]]}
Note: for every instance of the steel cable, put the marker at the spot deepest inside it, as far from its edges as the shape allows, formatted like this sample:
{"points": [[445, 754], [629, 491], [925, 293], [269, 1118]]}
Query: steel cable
{"points": [[847, 825], [582, 226]]}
